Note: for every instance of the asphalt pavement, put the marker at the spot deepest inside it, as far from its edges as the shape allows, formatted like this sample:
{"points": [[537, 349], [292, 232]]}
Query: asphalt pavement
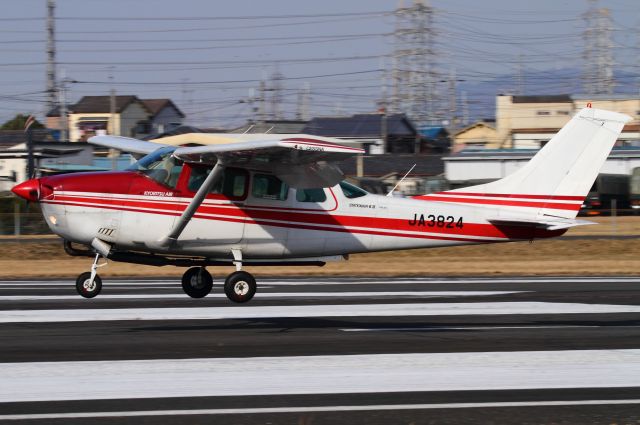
{"points": [[316, 350]]}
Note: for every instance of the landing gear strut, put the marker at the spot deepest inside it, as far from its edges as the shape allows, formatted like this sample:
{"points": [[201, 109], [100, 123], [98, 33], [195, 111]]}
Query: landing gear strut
{"points": [[89, 284], [197, 282]]}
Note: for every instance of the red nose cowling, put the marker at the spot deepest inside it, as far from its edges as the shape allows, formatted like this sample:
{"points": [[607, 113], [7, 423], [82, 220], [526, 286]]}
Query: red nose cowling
{"points": [[29, 190]]}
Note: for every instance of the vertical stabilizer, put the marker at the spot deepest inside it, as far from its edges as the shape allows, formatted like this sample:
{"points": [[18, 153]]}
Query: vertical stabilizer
{"points": [[558, 178]]}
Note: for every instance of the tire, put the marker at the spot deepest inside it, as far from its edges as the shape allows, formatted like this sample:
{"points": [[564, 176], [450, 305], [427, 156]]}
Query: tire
{"points": [[240, 287], [83, 288], [197, 282]]}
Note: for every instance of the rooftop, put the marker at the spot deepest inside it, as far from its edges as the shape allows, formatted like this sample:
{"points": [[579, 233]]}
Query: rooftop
{"points": [[550, 98]]}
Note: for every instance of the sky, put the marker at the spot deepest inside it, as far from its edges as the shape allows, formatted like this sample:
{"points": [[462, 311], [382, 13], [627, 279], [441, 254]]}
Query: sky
{"points": [[210, 55]]}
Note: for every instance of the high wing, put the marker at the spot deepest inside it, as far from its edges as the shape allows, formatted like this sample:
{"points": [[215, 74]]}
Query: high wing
{"points": [[299, 162], [126, 144]]}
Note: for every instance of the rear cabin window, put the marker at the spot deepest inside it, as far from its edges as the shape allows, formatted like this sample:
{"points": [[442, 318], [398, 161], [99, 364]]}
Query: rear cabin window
{"points": [[350, 191], [232, 185], [310, 195], [266, 186]]}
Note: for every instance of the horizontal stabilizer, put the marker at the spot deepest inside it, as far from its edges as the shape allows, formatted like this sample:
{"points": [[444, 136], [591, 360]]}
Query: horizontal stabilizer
{"points": [[547, 223]]}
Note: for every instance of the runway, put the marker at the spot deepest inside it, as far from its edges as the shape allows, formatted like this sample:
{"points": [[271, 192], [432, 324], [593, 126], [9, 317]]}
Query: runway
{"points": [[316, 350]]}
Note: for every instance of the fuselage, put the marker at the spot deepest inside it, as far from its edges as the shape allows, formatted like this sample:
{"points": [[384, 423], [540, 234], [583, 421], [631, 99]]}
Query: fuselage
{"points": [[258, 214]]}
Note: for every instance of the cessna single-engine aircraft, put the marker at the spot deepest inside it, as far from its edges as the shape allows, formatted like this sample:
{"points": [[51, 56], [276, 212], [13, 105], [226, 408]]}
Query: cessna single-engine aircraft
{"points": [[281, 200]]}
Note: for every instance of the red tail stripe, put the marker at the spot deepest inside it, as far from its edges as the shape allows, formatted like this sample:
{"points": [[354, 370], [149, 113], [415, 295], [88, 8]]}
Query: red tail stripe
{"points": [[511, 195], [554, 206]]}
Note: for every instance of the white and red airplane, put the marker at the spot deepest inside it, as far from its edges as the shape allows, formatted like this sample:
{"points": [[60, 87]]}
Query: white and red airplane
{"points": [[281, 200]]}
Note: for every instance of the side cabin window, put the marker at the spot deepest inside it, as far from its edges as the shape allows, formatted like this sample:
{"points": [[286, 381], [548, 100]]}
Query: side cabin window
{"points": [[266, 186], [310, 195], [232, 185]]}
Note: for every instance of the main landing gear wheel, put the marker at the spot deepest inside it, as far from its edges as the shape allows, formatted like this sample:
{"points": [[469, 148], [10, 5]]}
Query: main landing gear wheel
{"points": [[86, 288], [240, 287], [197, 282]]}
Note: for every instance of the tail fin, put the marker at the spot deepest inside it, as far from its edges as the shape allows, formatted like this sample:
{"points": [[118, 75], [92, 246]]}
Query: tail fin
{"points": [[558, 178]]}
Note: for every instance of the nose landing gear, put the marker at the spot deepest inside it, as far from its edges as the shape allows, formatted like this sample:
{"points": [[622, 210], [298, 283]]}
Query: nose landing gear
{"points": [[89, 284]]}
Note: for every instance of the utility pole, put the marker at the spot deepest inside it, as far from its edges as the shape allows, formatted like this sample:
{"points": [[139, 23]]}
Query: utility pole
{"points": [[112, 106], [261, 101], [64, 120], [51, 56], [598, 50], [520, 76], [453, 109], [303, 102], [276, 94], [465, 108]]}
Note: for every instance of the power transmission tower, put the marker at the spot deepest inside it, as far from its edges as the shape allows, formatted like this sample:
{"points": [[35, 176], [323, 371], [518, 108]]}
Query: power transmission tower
{"points": [[598, 50], [414, 76], [52, 94]]}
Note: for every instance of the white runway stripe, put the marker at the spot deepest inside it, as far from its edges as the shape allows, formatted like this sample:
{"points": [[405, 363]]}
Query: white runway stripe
{"points": [[406, 294], [309, 409], [93, 380], [347, 310], [333, 281]]}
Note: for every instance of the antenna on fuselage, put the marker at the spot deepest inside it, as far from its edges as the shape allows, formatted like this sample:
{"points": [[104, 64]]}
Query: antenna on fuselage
{"points": [[401, 180]]}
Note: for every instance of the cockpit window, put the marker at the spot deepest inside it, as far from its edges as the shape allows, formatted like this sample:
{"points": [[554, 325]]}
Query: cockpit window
{"points": [[160, 166], [350, 191]]}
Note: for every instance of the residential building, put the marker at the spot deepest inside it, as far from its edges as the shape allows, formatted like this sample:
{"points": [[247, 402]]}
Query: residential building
{"points": [[368, 131], [528, 122], [164, 116], [479, 135], [133, 117]]}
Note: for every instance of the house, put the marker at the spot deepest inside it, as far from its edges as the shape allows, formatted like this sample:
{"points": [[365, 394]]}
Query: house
{"points": [[528, 122], [434, 139], [91, 116], [164, 116], [133, 117], [366, 130], [479, 135]]}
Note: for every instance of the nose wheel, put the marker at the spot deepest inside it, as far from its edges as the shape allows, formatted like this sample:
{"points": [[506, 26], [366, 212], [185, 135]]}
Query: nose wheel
{"points": [[89, 284], [197, 282], [240, 286], [88, 287]]}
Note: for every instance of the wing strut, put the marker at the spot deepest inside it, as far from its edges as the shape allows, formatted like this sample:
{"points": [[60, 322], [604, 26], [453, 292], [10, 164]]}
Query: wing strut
{"points": [[214, 177]]}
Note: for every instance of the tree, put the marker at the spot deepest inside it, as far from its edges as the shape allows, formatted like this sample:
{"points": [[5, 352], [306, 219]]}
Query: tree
{"points": [[17, 123]]}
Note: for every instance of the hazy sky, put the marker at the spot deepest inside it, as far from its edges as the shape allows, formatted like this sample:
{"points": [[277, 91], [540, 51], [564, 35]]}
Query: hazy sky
{"points": [[207, 55]]}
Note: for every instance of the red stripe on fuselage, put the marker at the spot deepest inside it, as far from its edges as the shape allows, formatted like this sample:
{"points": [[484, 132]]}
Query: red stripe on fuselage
{"points": [[370, 224]]}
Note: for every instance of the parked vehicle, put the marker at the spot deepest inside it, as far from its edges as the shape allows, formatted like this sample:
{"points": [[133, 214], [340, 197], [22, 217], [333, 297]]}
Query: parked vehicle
{"points": [[634, 190], [605, 190]]}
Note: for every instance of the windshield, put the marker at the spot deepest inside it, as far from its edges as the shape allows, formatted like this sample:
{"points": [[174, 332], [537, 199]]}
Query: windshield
{"points": [[160, 166], [351, 191]]}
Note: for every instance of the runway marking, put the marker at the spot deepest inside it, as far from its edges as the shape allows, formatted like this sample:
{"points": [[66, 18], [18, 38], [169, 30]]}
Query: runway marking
{"points": [[336, 281], [309, 409], [477, 328], [408, 294], [344, 374], [320, 310]]}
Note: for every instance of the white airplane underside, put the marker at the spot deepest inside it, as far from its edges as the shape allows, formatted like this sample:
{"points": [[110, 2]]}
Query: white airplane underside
{"points": [[282, 200]]}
